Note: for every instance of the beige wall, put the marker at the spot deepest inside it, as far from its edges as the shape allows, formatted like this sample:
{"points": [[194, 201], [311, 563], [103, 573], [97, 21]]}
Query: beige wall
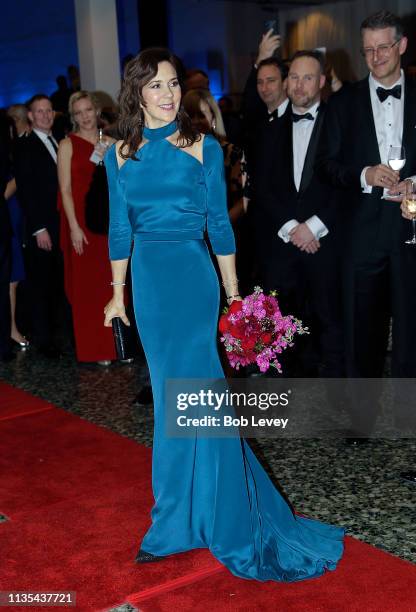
{"points": [[228, 33], [336, 26]]}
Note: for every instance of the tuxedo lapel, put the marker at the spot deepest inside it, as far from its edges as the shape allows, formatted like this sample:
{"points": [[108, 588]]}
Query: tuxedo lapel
{"points": [[289, 153], [285, 155], [308, 166], [367, 127]]}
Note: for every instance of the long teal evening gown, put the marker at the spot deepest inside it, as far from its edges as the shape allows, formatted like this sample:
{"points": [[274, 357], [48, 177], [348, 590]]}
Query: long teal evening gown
{"points": [[209, 492]]}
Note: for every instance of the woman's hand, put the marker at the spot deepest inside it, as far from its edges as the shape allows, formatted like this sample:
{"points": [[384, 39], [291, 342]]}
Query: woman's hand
{"points": [[115, 308], [78, 238]]}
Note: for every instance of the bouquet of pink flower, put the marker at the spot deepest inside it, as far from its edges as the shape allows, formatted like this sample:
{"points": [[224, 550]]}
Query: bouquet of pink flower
{"points": [[255, 331]]}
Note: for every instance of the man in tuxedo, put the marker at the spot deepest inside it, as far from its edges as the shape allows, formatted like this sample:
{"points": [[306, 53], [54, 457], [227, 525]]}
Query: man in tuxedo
{"points": [[254, 107], [379, 268], [5, 250], [37, 183], [295, 221], [265, 102]]}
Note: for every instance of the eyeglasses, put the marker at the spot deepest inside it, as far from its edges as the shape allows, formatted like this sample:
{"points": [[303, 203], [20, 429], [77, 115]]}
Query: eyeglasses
{"points": [[381, 50]]}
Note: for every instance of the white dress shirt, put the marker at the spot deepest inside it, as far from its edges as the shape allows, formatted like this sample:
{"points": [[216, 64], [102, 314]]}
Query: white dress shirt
{"points": [[301, 136], [48, 145], [388, 121]]}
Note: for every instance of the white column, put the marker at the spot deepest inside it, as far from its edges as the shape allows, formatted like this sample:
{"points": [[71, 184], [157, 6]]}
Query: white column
{"points": [[96, 22]]}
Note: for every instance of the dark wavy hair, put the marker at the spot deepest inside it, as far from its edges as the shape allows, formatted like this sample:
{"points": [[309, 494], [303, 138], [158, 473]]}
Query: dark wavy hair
{"points": [[138, 72], [275, 61]]}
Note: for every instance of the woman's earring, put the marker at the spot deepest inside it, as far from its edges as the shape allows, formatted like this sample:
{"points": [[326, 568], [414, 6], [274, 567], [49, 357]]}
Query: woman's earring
{"points": [[214, 125]]}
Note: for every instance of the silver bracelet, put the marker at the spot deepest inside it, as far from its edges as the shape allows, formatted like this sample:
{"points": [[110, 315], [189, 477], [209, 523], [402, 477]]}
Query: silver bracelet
{"points": [[117, 283]]}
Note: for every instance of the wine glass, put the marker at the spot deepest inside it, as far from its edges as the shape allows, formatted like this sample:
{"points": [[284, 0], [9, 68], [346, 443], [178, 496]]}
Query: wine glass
{"points": [[396, 159], [410, 202]]}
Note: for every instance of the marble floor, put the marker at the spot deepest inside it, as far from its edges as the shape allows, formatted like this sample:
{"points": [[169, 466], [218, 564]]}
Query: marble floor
{"points": [[357, 487]]}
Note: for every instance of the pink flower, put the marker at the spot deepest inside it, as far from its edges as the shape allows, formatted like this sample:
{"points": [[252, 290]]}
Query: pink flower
{"points": [[255, 331]]}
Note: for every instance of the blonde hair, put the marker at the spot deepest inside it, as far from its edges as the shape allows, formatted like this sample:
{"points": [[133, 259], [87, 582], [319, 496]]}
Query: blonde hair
{"points": [[18, 111], [75, 97], [191, 102]]}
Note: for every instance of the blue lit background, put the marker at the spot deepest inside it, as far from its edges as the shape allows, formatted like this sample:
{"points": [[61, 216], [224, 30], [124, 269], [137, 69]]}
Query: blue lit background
{"points": [[38, 42], [127, 27]]}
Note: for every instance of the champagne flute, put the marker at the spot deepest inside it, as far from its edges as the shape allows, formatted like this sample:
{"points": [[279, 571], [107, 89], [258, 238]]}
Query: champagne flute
{"points": [[396, 159], [410, 202]]}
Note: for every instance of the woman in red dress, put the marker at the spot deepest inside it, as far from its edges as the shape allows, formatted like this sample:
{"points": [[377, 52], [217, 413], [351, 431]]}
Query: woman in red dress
{"points": [[86, 264]]}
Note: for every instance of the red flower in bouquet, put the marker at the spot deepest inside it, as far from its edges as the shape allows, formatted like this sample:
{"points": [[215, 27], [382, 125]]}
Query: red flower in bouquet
{"points": [[255, 331], [235, 307], [266, 338], [248, 344], [224, 324]]}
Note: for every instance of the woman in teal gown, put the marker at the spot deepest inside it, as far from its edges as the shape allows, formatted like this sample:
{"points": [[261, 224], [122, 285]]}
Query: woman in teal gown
{"points": [[209, 492]]}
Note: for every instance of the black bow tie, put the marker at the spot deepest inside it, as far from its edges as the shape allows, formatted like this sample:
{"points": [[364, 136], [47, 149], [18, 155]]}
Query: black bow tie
{"points": [[296, 117], [383, 94]]}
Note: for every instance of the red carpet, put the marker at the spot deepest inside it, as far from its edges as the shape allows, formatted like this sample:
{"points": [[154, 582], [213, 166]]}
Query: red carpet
{"points": [[14, 402], [78, 496]]}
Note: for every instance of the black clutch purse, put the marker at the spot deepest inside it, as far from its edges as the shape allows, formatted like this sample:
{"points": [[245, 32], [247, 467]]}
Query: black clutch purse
{"points": [[123, 339], [97, 213]]}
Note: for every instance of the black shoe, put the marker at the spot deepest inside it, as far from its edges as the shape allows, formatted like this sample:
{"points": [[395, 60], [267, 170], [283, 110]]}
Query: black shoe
{"points": [[21, 346], [145, 557], [356, 441], [409, 476], [50, 352], [144, 397]]}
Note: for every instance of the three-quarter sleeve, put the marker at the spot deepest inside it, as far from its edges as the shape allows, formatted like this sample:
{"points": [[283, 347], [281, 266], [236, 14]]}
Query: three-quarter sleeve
{"points": [[219, 228], [120, 232]]}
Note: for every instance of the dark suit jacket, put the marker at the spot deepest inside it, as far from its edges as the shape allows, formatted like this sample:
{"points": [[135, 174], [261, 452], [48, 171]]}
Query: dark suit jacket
{"points": [[278, 201], [258, 144], [37, 183], [256, 121], [349, 144]]}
